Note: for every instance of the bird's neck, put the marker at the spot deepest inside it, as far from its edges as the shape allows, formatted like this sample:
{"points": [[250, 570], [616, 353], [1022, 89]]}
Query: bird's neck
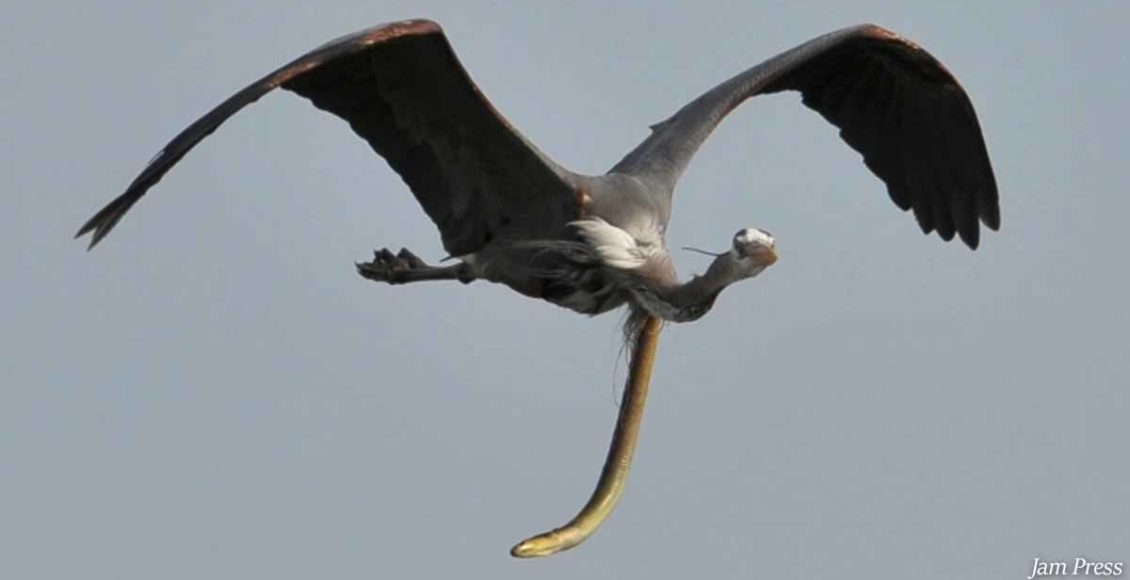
{"points": [[692, 299]]}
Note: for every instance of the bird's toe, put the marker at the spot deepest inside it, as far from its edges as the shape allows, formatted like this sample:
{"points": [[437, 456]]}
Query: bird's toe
{"points": [[412, 260]]}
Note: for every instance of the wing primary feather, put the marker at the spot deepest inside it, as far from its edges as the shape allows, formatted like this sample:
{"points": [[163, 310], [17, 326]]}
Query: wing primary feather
{"points": [[912, 152], [962, 196], [933, 159], [882, 158], [860, 71]]}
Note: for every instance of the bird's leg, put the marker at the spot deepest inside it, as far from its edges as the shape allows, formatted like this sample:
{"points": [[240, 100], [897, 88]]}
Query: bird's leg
{"points": [[614, 475], [404, 267]]}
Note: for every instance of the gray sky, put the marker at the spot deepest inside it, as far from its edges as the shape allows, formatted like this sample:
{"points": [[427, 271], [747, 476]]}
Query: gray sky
{"points": [[214, 392]]}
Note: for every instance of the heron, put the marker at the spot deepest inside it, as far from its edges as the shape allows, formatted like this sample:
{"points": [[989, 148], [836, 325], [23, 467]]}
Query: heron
{"points": [[509, 214]]}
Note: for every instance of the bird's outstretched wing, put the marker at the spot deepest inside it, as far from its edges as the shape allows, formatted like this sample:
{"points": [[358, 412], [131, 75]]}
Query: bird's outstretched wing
{"points": [[893, 102], [402, 89]]}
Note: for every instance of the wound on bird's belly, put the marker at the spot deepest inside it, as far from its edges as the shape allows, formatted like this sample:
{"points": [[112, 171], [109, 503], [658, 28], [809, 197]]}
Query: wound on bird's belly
{"points": [[583, 201]]}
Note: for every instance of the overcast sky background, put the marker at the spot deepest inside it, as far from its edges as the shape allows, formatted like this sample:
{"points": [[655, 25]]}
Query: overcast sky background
{"points": [[214, 393]]}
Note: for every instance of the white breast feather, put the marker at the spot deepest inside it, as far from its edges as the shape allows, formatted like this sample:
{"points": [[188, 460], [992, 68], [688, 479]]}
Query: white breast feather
{"points": [[616, 247]]}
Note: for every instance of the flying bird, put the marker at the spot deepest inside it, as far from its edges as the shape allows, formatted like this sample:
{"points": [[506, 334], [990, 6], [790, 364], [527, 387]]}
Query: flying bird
{"points": [[509, 214]]}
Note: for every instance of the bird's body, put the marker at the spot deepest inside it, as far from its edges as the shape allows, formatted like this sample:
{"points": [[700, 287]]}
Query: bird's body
{"points": [[511, 215], [590, 262]]}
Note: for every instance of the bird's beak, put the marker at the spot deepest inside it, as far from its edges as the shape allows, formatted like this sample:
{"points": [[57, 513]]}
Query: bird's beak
{"points": [[765, 255]]}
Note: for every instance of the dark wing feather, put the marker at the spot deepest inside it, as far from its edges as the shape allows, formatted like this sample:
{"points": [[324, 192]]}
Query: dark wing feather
{"points": [[402, 89], [892, 101]]}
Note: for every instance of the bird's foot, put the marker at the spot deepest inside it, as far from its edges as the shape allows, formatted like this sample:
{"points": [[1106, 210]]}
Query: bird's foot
{"points": [[404, 266], [389, 267]]}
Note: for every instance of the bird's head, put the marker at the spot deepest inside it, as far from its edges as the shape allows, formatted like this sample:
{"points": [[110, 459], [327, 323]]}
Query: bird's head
{"points": [[754, 251]]}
